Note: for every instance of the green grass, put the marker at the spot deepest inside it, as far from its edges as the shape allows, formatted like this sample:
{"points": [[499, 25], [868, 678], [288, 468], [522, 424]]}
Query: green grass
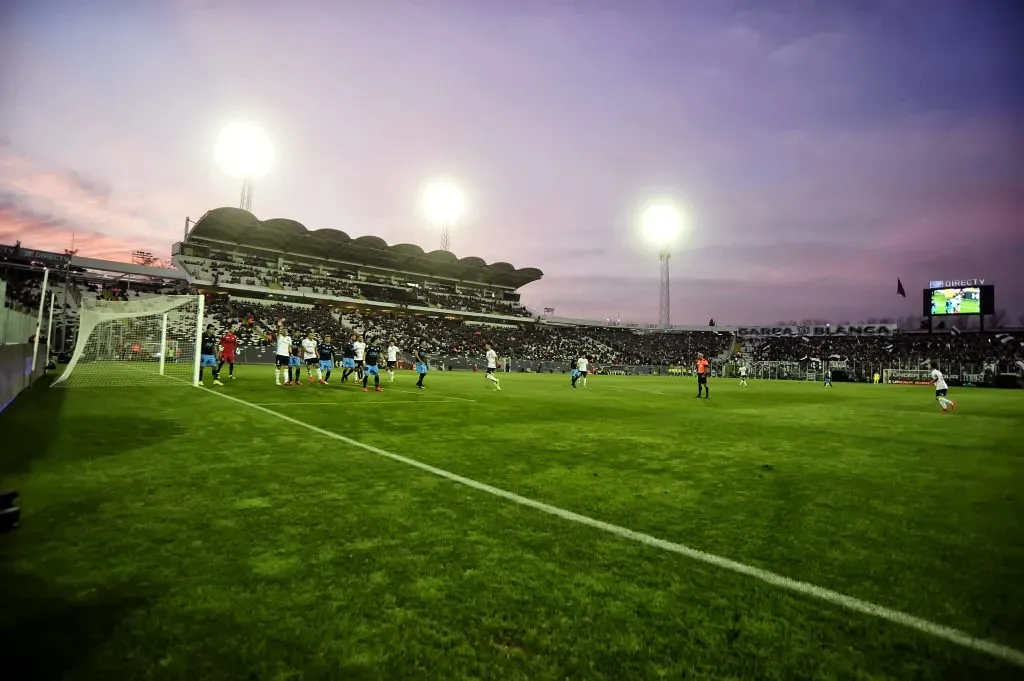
{"points": [[172, 534]]}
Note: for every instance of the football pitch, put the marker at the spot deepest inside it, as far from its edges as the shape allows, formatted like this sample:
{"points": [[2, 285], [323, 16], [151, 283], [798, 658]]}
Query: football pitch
{"points": [[620, 531]]}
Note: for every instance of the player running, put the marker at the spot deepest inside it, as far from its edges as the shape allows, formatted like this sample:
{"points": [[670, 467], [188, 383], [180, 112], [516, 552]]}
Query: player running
{"points": [[325, 351], [941, 390], [348, 358], [702, 376], [582, 366], [371, 357], [828, 378], [309, 354], [208, 355], [743, 375], [574, 373], [282, 355], [228, 348], [421, 366], [392, 361], [492, 366], [360, 356]]}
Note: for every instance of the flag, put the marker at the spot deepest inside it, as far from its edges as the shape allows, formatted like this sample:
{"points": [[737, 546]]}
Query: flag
{"points": [[900, 291], [549, 310]]}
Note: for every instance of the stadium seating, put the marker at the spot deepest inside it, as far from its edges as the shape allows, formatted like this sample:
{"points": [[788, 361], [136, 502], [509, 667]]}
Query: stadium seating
{"points": [[339, 283], [526, 341]]}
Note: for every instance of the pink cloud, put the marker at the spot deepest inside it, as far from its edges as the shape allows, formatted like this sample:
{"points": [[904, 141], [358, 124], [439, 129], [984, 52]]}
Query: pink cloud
{"points": [[45, 208]]}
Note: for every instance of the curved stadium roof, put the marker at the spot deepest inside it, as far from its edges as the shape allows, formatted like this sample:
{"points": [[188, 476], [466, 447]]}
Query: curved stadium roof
{"points": [[237, 226]]}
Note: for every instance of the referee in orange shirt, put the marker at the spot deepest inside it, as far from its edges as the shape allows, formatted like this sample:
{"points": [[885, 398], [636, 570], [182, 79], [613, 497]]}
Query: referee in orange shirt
{"points": [[702, 376]]}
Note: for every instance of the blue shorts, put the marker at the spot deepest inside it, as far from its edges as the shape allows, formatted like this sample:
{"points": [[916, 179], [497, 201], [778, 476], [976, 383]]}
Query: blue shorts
{"points": [[326, 364], [207, 360], [575, 373], [421, 368], [372, 370], [294, 361], [348, 362]]}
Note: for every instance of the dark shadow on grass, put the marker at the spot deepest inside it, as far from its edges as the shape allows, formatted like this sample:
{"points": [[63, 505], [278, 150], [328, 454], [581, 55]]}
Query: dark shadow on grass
{"points": [[32, 424], [46, 635], [99, 435], [29, 426]]}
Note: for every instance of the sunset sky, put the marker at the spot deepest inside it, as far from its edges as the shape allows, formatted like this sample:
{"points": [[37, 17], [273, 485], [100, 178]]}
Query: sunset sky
{"points": [[823, 149]]}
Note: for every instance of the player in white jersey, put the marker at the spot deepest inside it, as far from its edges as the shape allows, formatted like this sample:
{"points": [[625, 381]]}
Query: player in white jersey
{"points": [[492, 366], [309, 354], [360, 348], [941, 390], [583, 366], [392, 361], [743, 375], [284, 349]]}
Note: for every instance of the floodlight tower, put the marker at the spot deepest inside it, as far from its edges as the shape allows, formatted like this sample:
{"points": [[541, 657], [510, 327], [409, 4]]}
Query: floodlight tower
{"points": [[443, 204], [245, 151], [662, 223]]}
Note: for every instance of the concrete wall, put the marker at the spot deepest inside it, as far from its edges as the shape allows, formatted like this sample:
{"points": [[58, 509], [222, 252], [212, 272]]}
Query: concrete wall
{"points": [[16, 370], [15, 327]]}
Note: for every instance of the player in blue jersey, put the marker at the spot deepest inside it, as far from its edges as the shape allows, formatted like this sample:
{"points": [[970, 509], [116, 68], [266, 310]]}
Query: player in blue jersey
{"points": [[371, 365], [828, 378], [348, 358], [325, 351], [574, 373], [208, 355], [421, 366]]}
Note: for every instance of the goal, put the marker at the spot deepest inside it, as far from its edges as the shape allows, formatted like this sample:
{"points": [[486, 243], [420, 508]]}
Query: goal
{"points": [[142, 342]]}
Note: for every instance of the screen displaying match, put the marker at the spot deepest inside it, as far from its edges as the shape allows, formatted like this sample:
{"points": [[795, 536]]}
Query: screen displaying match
{"points": [[951, 301]]}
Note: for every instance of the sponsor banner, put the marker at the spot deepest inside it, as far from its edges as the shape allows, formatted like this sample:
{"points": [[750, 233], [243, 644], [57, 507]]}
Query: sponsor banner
{"points": [[46, 257], [839, 330], [955, 283]]}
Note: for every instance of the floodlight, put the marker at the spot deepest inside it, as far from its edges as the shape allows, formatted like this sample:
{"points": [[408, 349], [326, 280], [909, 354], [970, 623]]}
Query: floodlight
{"points": [[244, 150], [443, 203], [661, 224]]}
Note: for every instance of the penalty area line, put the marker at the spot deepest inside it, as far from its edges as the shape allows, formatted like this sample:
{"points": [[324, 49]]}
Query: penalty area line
{"points": [[921, 625]]}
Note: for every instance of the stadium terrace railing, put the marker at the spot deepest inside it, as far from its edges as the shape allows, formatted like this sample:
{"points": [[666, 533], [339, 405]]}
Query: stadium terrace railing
{"points": [[312, 298]]}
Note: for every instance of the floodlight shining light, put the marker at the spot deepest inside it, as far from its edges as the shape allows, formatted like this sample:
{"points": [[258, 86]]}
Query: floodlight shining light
{"points": [[244, 150], [662, 223], [443, 203]]}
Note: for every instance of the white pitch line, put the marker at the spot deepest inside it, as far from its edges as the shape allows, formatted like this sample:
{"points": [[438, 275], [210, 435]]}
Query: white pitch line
{"points": [[345, 404], [940, 631]]}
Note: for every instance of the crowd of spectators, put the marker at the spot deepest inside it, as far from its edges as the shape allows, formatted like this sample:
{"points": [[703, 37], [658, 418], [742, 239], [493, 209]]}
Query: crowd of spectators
{"points": [[23, 290], [532, 342], [949, 349], [345, 284]]}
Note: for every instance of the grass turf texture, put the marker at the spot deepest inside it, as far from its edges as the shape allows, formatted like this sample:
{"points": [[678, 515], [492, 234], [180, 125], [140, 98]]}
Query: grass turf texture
{"points": [[169, 533]]}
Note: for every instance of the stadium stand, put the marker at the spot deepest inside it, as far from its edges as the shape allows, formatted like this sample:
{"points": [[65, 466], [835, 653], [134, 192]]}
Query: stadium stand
{"points": [[329, 282], [229, 248]]}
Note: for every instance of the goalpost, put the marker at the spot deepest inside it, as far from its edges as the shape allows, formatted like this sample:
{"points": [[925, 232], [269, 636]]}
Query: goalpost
{"points": [[143, 342]]}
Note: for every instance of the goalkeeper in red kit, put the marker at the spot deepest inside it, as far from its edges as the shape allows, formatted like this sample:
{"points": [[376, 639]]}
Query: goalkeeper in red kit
{"points": [[228, 347]]}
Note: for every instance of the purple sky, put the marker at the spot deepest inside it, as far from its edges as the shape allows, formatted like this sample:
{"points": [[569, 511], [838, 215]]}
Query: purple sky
{"points": [[822, 148]]}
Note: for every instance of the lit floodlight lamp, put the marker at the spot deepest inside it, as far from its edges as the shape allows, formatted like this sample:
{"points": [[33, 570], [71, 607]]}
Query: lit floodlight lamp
{"points": [[443, 204], [661, 224], [244, 150]]}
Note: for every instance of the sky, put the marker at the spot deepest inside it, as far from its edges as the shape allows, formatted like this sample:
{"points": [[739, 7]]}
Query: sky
{"points": [[820, 149]]}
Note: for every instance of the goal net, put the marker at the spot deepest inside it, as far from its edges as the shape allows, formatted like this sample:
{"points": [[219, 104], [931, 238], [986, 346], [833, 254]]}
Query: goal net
{"points": [[142, 342]]}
